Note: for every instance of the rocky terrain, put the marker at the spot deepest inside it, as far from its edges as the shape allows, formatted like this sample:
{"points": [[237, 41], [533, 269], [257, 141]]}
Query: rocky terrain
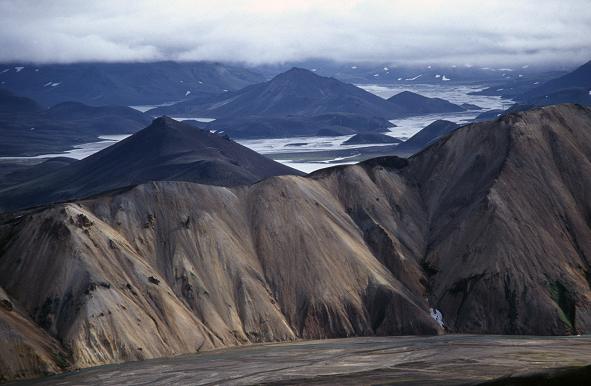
{"points": [[485, 231]]}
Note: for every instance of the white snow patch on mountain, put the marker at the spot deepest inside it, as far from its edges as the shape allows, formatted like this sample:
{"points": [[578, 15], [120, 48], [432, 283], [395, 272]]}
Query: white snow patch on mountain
{"points": [[415, 78], [445, 78], [18, 69], [437, 316], [188, 92]]}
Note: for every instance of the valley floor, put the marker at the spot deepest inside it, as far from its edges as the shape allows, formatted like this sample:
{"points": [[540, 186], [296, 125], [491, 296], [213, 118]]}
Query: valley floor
{"points": [[438, 360]]}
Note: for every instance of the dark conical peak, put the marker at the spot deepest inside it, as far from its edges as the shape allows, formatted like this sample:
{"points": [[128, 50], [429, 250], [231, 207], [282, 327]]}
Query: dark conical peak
{"points": [[166, 127], [297, 73]]}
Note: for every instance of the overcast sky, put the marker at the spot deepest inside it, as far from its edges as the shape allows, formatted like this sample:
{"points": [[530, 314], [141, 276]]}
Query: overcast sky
{"points": [[266, 31]]}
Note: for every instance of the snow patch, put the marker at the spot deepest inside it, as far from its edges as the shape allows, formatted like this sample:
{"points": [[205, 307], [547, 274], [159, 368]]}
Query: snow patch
{"points": [[353, 67], [386, 69], [415, 78], [313, 70], [5, 70], [376, 75], [36, 70], [520, 75], [437, 75], [18, 69], [55, 84], [399, 78], [505, 69], [437, 316], [188, 92], [526, 66], [445, 78], [47, 84]]}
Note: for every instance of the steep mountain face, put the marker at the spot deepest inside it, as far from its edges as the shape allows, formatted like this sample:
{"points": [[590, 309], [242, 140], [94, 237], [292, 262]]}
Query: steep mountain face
{"points": [[26, 129], [509, 246], [100, 84], [489, 225], [574, 87], [416, 104], [165, 150], [295, 92], [427, 135]]}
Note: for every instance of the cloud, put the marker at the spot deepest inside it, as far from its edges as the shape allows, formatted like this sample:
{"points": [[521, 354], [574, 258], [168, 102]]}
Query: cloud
{"points": [[265, 31]]}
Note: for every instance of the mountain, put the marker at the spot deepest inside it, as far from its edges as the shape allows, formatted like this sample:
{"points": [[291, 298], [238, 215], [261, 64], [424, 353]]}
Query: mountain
{"points": [[578, 95], [496, 113], [416, 104], [296, 126], [366, 138], [13, 104], [401, 74], [486, 231], [26, 129], [573, 87], [427, 136], [294, 92], [165, 150], [123, 83], [18, 171]]}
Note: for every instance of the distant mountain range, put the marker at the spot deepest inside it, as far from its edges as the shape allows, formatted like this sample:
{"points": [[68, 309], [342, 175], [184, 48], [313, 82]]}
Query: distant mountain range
{"points": [[165, 150], [295, 92], [27, 129], [400, 74], [99, 84], [573, 87], [487, 228], [297, 103]]}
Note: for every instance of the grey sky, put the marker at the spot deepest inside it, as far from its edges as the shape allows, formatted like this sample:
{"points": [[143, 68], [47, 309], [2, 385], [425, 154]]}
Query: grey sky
{"points": [[263, 31]]}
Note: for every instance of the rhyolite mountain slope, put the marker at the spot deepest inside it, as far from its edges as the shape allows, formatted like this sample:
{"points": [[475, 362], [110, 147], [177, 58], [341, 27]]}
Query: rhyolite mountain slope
{"points": [[165, 150], [416, 104], [294, 92], [490, 225], [127, 84]]}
